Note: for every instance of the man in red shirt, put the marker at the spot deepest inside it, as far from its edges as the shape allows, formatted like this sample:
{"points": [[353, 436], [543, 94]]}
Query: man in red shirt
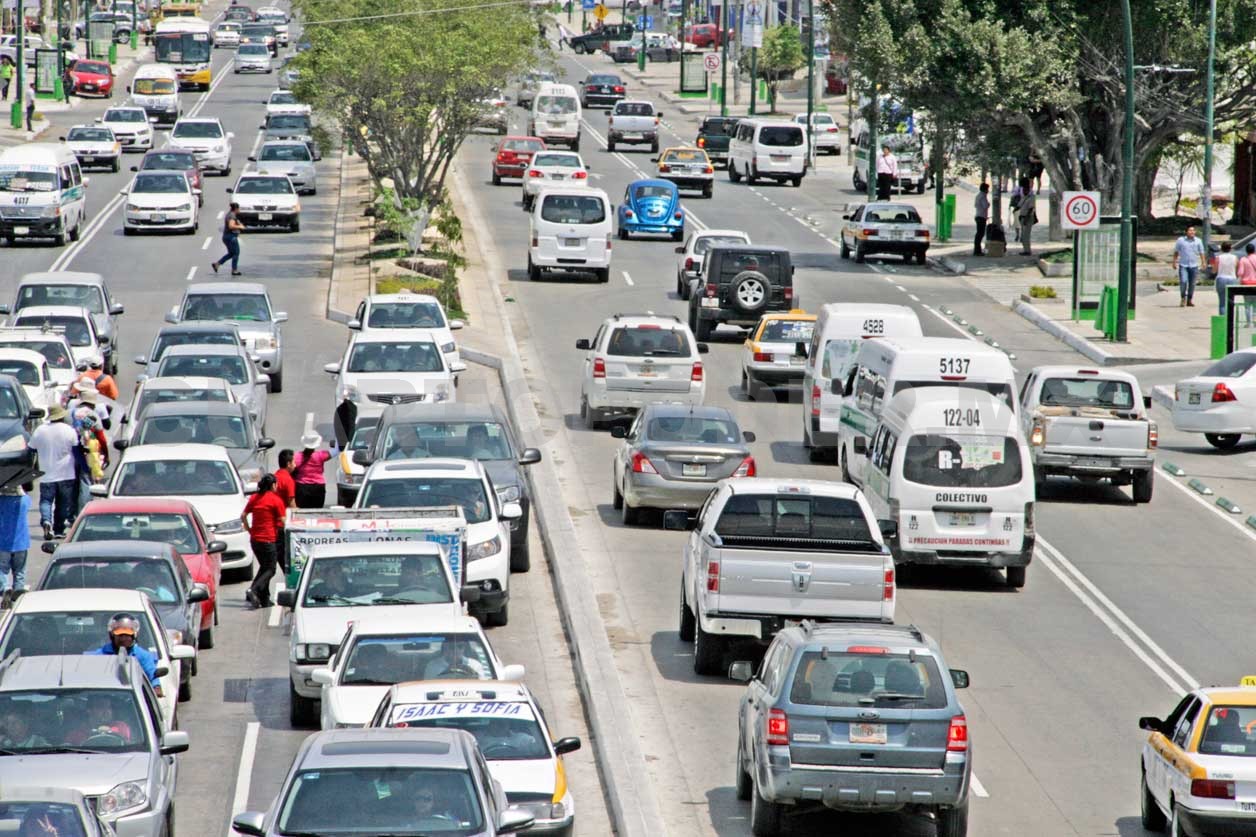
{"points": [[265, 530], [286, 488]]}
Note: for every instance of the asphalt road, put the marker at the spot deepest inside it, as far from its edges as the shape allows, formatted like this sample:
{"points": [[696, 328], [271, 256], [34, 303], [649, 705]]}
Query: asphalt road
{"points": [[242, 744], [1125, 607]]}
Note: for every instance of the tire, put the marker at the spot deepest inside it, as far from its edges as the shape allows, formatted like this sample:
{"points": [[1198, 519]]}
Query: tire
{"points": [[708, 652], [74, 233], [60, 238], [185, 690], [654, 147], [1175, 823], [610, 145], [922, 258], [302, 711], [679, 235], [859, 254], [622, 233], [751, 291], [588, 414], [117, 165], [127, 230], [1222, 441], [797, 181], [498, 618], [617, 498], [575, 146], [765, 817], [733, 174], [842, 249], [520, 557], [534, 272], [1153, 818], [206, 638], [276, 382], [751, 177], [497, 180], [920, 188], [845, 464], [1144, 482], [295, 226], [1016, 577], [704, 329], [687, 620], [741, 778], [708, 190], [953, 822], [603, 275]]}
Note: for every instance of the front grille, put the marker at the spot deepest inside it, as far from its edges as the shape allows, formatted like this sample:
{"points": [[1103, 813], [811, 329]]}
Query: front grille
{"points": [[22, 212], [407, 398]]}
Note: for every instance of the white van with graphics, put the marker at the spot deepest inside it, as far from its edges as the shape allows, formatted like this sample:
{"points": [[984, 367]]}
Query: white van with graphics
{"points": [[42, 193], [951, 466], [841, 328], [555, 116], [885, 367], [155, 88]]}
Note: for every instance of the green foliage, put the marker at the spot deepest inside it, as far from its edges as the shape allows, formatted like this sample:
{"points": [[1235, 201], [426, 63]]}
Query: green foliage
{"points": [[1042, 292], [780, 57], [442, 290]]}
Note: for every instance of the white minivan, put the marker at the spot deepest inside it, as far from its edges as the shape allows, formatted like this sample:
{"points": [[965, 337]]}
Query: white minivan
{"points": [[570, 231], [555, 115], [951, 466], [155, 88], [42, 193], [885, 367], [771, 149], [841, 327]]}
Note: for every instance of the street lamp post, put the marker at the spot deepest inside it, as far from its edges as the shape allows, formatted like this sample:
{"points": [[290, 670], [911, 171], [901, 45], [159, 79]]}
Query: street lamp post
{"points": [[1208, 125], [1127, 182], [811, 79], [19, 72], [724, 63]]}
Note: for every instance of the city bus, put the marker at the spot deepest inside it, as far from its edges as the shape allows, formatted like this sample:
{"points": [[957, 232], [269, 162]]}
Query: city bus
{"points": [[185, 44], [170, 10]]}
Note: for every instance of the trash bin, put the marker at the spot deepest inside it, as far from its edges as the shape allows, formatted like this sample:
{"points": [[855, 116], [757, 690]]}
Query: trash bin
{"points": [[1106, 318]]}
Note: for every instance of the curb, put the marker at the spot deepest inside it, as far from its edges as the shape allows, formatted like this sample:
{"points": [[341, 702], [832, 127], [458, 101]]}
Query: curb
{"points": [[631, 800], [1078, 344], [334, 314], [949, 264]]}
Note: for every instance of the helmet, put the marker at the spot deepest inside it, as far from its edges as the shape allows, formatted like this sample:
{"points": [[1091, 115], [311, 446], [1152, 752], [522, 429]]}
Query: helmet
{"points": [[124, 623], [96, 362]]}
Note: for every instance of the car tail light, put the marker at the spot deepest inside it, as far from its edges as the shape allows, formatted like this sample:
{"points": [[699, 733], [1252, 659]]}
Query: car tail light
{"points": [[1212, 788], [815, 400], [535, 173], [696, 374], [689, 263], [641, 464], [679, 215], [763, 357], [922, 233], [777, 734], [712, 290], [628, 212], [887, 592], [867, 231], [831, 130], [656, 120], [1222, 393], [610, 121], [713, 576], [957, 736], [1153, 435], [709, 170], [746, 468], [867, 649], [580, 175], [592, 88], [648, 327], [1038, 434], [789, 294], [1087, 371], [535, 240], [664, 168], [702, 142], [599, 367], [619, 88]]}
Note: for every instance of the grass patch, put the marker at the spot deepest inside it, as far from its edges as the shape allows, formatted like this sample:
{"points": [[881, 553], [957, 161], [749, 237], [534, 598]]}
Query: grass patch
{"points": [[1066, 256], [446, 292], [1042, 292], [390, 253]]}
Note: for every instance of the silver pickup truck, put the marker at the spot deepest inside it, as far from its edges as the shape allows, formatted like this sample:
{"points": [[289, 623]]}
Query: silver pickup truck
{"points": [[767, 553], [633, 123], [1090, 424]]}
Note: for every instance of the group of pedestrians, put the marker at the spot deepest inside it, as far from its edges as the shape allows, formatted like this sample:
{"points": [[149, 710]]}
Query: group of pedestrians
{"points": [[1232, 269]]}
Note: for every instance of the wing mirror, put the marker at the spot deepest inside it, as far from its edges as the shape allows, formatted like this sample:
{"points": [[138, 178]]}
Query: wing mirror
{"points": [[198, 593], [680, 249], [512, 672], [530, 456], [511, 511], [861, 446], [141, 360], [959, 678], [286, 598], [676, 520], [172, 316], [265, 443], [889, 528], [250, 488], [281, 316], [566, 745], [323, 676], [1146, 398], [48, 546], [583, 344], [116, 310], [703, 348], [216, 547], [514, 819], [175, 741], [331, 368], [362, 457], [742, 671], [135, 168], [454, 325], [618, 431], [252, 159], [457, 366], [469, 593], [99, 491], [250, 822], [121, 444], [182, 652], [748, 436], [1150, 723], [356, 325]]}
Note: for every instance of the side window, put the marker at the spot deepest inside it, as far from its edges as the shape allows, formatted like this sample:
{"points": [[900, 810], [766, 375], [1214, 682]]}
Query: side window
{"points": [[67, 177], [887, 453], [634, 431], [486, 780], [765, 666], [858, 214], [597, 338], [1025, 390], [360, 316], [1182, 732], [154, 710], [878, 393], [864, 384], [702, 511], [381, 712], [78, 174], [877, 438], [180, 568]]}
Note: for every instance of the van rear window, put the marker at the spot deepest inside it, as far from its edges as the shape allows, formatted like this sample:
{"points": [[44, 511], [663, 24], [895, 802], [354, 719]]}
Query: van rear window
{"points": [[793, 516], [1003, 391], [780, 135], [962, 461], [573, 209], [555, 105]]}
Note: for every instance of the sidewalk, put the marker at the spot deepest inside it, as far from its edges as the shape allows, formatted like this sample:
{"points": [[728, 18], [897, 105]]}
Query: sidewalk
{"points": [[351, 271]]}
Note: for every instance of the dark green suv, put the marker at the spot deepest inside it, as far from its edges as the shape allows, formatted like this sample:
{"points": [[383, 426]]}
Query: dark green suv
{"points": [[738, 285]]}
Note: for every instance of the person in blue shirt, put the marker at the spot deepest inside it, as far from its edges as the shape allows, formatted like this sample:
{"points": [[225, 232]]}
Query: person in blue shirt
{"points": [[123, 629]]}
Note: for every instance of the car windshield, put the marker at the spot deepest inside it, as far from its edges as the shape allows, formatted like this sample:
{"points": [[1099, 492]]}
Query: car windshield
{"points": [[1003, 391], [166, 339], [892, 215], [653, 190], [169, 160], [787, 331], [395, 357], [26, 372], [556, 105], [379, 660], [604, 78], [481, 440], [164, 395], [25, 179], [75, 296], [1087, 392], [250, 307], [522, 145], [93, 67], [562, 161], [288, 152], [175, 478], [685, 155], [174, 529], [793, 516], [718, 126], [376, 579], [1234, 365], [426, 492], [254, 49], [258, 31], [706, 242], [282, 97], [1227, 731], [648, 341], [53, 351], [263, 186], [66, 632], [406, 315], [24, 818], [231, 368], [76, 330], [154, 87], [160, 184], [781, 136], [64, 720], [958, 460], [89, 135], [288, 122], [505, 730], [125, 115], [855, 679], [151, 576], [226, 431], [573, 209], [694, 429], [434, 802], [197, 130]]}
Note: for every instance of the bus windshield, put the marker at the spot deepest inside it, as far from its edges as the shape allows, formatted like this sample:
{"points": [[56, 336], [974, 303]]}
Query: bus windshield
{"points": [[183, 47]]}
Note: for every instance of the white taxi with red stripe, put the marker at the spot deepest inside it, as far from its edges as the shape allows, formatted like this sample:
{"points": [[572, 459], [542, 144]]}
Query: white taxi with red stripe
{"points": [[775, 354], [1199, 764]]}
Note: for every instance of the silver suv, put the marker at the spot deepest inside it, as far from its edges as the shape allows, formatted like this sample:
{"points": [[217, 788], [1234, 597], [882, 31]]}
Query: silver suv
{"points": [[247, 304], [91, 723], [860, 718]]}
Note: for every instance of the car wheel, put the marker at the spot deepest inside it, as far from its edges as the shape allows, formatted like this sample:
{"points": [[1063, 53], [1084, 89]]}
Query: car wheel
{"points": [[589, 414], [623, 233], [117, 165], [610, 145], [922, 257], [708, 190], [206, 638], [842, 249], [534, 272], [295, 226], [953, 820], [575, 146], [765, 817], [846, 468], [751, 177], [629, 514], [1016, 577], [603, 275], [301, 710], [733, 174], [1222, 441], [276, 382], [687, 619], [797, 181], [60, 238], [617, 497], [1144, 482], [920, 188], [520, 557], [678, 235], [654, 147], [742, 780], [1152, 816], [497, 180], [708, 651], [498, 618], [185, 690], [704, 329], [859, 253]]}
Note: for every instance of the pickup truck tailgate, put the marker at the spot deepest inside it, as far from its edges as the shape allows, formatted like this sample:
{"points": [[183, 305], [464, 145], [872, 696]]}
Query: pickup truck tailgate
{"points": [[1082, 434]]}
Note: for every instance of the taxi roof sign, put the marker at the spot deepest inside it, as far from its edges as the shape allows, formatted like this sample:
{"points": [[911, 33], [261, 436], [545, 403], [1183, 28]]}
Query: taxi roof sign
{"points": [[1248, 681]]}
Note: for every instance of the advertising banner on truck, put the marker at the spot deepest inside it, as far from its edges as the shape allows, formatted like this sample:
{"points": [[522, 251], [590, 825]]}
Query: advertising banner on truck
{"points": [[308, 530]]}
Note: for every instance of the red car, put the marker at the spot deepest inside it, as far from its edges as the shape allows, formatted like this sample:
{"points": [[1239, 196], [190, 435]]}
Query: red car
{"points": [[175, 159], [166, 521], [703, 35], [513, 156], [92, 78]]}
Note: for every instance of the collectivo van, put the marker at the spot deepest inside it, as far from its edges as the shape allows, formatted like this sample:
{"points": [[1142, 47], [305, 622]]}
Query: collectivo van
{"points": [[768, 149], [155, 88], [571, 231], [841, 328], [42, 193], [556, 115], [951, 466], [885, 367]]}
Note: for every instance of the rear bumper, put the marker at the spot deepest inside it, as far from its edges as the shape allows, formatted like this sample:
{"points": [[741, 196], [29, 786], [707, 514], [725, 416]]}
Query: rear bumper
{"points": [[773, 375], [862, 788], [970, 558], [628, 401], [660, 229], [655, 491], [759, 626], [637, 138], [503, 170], [1067, 463], [1214, 420], [894, 248], [735, 317], [608, 99], [697, 181], [1220, 824]]}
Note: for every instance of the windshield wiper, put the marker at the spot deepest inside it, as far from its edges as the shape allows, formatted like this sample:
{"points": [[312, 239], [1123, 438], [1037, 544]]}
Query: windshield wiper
{"points": [[892, 696], [396, 600], [330, 597], [78, 750], [369, 682]]}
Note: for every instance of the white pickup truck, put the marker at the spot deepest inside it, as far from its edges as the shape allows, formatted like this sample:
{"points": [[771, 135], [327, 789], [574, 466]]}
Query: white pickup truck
{"points": [[633, 123], [1091, 424], [767, 553]]}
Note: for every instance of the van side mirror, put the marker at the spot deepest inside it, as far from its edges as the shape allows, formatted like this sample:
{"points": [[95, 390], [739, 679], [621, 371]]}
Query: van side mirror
{"points": [[861, 446], [566, 745], [703, 348], [362, 457], [530, 456], [1150, 723], [676, 520], [286, 598], [959, 677], [741, 671], [619, 432], [1147, 402], [889, 528], [583, 344], [469, 594], [748, 436]]}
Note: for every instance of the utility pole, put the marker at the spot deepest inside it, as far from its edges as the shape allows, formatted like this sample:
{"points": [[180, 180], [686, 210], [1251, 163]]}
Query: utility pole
{"points": [[1209, 127], [1127, 182], [811, 81], [724, 63], [754, 77], [19, 72], [874, 125], [684, 16]]}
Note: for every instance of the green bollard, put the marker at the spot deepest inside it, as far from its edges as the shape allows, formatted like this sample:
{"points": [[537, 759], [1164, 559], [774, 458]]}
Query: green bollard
{"points": [[113, 53], [15, 113], [135, 41], [949, 202], [1218, 334]]}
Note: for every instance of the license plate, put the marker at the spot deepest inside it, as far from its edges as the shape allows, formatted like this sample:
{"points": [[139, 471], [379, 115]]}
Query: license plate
{"points": [[962, 519], [692, 469], [572, 242], [21, 230], [87, 159], [632, 135], [1092, 463], [710, 303], [795, 360], [647, 372], [780, 158], [1247, 806], [894, 234], [157, 217], [1193, 398], [557, 176], [264, 216], [867, 734]]}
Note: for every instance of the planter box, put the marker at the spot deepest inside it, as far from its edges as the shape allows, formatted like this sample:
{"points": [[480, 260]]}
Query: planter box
{"points": [[1055, 269]]}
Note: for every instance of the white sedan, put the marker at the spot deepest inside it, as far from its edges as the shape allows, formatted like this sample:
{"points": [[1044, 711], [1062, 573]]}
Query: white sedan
{"points": [[824, 132], [207, 139], [694, 250], [550, 167], [283, 102], [1219, 402], [131, 127], [267, 200], [94, 145], [77, 324], [227, 34], [30, 368], [403, 366], [161, 200]]}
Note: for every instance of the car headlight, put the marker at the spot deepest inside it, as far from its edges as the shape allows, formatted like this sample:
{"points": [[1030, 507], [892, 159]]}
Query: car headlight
{"points": [[130, 207], [251, 474], [314, 652], [351, 479], [545, 810], [218, 149], [484, 549], [266, 343], [351, 393], [51, 212], [508, 494], [228, 527], [183, 207], [449, 348], [122, 799], [296, 207]]}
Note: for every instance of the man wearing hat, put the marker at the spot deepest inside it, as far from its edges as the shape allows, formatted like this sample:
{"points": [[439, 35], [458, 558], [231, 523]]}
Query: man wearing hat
{"points": [[308, 472], [93, 370], [89, 396], [55, 441]]}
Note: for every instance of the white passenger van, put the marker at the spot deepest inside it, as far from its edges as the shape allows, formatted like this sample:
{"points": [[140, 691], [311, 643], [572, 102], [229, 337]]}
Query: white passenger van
{"points": [[885, 367], [155, 88], [570, 231], [951, 466], [768, 149], [555, 115], [841, 327], [42, 193]]}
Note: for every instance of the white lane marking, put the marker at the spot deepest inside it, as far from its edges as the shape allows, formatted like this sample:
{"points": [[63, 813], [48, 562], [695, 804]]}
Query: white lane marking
{"points": [[256, 143], [901, 288], [913, 297], [221, 214], [276, 612], [628, 278], [244, 774], [191, 273], [208, 240], [977, 788]]}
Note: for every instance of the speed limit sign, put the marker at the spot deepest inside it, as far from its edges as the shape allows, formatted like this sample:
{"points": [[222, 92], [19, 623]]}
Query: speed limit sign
{"points": [[1081, 210], [711, 61]]}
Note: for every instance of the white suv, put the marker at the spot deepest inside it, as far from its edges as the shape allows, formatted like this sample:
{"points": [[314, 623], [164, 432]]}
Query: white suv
{"points": [[635, 360]]}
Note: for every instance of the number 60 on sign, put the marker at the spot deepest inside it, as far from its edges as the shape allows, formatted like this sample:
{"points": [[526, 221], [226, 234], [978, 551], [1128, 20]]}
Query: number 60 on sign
{"points": [[1080, 210]]}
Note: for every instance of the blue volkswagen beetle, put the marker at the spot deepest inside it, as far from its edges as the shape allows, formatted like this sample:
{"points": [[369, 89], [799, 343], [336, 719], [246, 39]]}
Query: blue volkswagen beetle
{"points": [[652, 206]]}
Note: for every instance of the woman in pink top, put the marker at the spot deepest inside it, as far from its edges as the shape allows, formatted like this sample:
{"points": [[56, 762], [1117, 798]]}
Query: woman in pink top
{"points": [[308, 472]]}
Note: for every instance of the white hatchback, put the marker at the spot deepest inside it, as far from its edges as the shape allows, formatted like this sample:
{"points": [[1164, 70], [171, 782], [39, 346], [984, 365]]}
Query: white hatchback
{"points": [[30, 368], [160, 200], [1219, 402], [207, 139], [94, 145], [130, 126], [389, 312], [565, 168], [386, 367]]}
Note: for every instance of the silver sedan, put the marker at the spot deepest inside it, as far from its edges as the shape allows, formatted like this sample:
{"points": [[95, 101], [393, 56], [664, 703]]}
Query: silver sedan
{"points": [[673, 455]]}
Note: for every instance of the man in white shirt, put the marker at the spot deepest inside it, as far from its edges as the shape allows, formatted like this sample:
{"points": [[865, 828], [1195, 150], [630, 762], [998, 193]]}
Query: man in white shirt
{"points": [[887, 173], [55, 442]]}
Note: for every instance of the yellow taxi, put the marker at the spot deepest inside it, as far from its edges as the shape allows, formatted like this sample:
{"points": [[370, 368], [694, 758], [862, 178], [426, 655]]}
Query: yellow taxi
{"points": [[775, 354], [688, 168], [1199, 764]]}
